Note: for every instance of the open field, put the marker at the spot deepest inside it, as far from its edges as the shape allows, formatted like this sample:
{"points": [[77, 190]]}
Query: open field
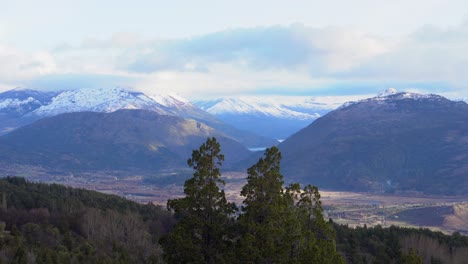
{"points": [[444, 213]]}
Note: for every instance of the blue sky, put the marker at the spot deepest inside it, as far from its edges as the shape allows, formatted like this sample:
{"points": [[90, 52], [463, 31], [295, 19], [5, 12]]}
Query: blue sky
{"points": [[212, 48]]}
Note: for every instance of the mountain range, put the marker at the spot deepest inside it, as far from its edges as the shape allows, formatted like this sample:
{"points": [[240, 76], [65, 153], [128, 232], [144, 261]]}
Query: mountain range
{"points": [[22, 106], [252, 120], [274, 117], [392, 142]]}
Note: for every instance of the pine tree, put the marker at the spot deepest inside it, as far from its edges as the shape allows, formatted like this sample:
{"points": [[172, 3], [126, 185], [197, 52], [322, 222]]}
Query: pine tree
{"points": [[203, 233]]}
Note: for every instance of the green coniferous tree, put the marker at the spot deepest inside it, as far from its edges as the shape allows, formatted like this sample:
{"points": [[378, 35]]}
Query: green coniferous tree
{"points": [[268, 225], [319, 237], [202, 233], [282, 224]]}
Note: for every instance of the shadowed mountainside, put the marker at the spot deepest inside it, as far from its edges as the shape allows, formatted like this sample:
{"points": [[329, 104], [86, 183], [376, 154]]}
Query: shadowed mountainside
{"points": [[397, 142], [122, 140]]}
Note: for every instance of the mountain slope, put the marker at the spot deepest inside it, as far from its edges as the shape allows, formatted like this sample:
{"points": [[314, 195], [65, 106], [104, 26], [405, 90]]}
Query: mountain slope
{"points": [[396, 141], [21, 107], [122, 140]]}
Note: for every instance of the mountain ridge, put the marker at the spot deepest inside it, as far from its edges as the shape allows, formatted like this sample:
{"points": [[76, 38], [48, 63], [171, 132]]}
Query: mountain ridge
{"points": [[45, 104], [267, 116], [124, 140], [396, 142]]}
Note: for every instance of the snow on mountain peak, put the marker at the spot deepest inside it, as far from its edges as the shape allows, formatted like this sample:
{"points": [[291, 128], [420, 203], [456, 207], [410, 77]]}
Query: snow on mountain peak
{"points": [[389, 91], [99, 100], [253, 105], [392, 94], [14, 102], [169, 100]]}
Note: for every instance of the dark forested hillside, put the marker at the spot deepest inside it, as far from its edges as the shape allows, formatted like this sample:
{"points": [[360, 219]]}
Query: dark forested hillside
{"points": [[44, 223], [400, 245]]}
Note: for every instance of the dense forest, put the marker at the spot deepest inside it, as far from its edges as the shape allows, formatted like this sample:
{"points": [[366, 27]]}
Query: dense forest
{"points": [[276, 223], [42, 223]]}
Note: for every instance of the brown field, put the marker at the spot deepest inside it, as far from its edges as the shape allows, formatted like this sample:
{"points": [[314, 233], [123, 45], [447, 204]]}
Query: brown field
{"points": [[443, 213]]}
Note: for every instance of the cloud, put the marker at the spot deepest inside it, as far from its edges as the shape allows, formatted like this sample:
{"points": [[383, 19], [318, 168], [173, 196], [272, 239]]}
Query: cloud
{"points": [[16, 65], [430, 54], [228, 80], [277, 59], [256, 48], [290, 48], [77, 81]]}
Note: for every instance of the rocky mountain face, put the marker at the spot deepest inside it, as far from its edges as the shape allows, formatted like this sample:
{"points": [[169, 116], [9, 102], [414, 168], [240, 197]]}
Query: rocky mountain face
{"points": [[127, 140], [20, 107], [392, 142]]}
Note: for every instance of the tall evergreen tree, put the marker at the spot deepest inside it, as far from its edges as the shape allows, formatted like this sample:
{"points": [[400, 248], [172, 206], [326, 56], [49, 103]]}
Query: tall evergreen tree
{"points": [[318, 236], [202, 234], [268, 224], [282, 224]]}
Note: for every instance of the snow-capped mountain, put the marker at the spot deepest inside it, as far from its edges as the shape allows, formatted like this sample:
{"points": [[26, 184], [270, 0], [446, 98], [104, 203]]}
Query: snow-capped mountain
{"points": [[39, 103], [23, 101], [109, 100], [287, 107], [391, 95], [16, 104], [98, 100], [21, 107], [273, 116], [395, 141], [254, 106], [31, 103]]}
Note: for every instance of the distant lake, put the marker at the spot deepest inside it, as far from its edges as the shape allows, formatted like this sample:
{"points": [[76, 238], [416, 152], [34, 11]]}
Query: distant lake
{"points": [[257, 149]]}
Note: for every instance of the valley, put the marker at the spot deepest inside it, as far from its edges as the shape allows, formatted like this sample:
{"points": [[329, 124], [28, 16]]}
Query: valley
{"points": [[387, 160], [330, 132], [447, 214], [439, 213]]}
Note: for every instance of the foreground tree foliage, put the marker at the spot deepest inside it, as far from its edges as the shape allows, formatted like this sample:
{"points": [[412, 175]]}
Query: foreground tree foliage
{"points": [[267, 221], [276, 224], [204, 231], [282, 225]]}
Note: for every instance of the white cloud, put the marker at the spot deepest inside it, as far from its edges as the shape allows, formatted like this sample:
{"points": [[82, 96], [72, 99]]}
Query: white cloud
{"points": [[226, 79], [17, 66], [340, 49], [431, 54], [253, 60]]}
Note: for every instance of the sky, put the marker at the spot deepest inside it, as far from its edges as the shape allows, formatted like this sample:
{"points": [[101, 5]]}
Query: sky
{"points": [[209, 48]]}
